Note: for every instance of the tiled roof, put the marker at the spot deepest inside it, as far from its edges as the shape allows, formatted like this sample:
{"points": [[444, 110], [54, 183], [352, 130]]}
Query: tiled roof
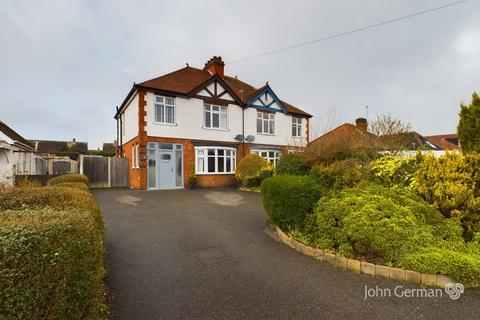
{"points": [[185, 80], [50, 146], [445, 141]]}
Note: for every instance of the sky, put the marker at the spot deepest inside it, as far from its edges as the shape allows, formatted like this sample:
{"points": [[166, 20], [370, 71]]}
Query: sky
{"points": [[66, 64]]}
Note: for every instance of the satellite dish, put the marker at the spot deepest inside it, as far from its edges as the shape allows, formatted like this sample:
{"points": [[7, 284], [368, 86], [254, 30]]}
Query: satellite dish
{"points": [[250, 138], [239, 137]]}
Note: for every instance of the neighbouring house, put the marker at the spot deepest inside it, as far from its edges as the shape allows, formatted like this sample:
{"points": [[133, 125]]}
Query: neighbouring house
{"points": [[348, 137], [202, 122], [108, 148], [445, 141], [343, 138], [17, 156], [61, 156]]}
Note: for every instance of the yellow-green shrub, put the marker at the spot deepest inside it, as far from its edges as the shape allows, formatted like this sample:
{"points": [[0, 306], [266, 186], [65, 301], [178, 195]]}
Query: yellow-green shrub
{"points": [[71, 177], [463, 266], [394, 170], [452, 184], [76, 185], [51, 265], [252, 169]]}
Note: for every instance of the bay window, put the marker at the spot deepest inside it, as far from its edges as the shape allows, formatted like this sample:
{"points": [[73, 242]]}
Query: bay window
{"points": [[215, 117], [265, 123], [215, 160], [296, 127], [164, 110]]}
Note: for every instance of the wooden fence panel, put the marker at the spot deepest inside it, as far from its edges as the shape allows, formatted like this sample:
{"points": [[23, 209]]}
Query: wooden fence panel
{"points": [[104, 172], [119, 172]]}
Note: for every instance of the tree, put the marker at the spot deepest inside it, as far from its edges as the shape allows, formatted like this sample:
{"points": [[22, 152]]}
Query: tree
{"points": [[469, 125], [392, 134]]}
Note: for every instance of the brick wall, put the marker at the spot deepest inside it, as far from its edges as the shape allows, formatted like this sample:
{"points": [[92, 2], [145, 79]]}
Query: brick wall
{"points": [[138, 177]]}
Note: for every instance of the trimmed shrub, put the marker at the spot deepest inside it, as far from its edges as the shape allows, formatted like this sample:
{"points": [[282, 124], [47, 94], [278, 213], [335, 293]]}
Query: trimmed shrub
{"points": [[71, 177], [252, 169], [288, 199], [376, 221], [452, 184], [339, 175], [52, 197], [76, 185], [393, 170], [292, 164], [462, 266], [51, 265]]}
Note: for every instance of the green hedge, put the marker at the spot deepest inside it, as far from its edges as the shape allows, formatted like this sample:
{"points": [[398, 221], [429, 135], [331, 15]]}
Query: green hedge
{"points": [[71, 177], [76, 185], [288, 199], [52, 197], [292, 164], [340, 174], [51, 265]]}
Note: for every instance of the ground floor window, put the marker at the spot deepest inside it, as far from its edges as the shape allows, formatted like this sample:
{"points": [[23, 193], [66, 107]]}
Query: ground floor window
{"points": [[271, 156], [211, 160]]}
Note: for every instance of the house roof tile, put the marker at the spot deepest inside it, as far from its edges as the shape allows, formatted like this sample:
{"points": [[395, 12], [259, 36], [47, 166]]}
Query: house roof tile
{"points": [[185, 80]]}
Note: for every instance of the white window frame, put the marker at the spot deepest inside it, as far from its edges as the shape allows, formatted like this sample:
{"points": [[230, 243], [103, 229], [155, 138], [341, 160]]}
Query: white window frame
{"points": [[277, 154], [133, 156], [267, 123], [201, 155], [137, 162], [297, 123], [208, 112], [164, 105]]}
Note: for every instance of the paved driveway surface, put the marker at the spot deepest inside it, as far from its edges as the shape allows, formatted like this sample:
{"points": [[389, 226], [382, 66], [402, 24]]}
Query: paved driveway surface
{"points": [[203, 254]]}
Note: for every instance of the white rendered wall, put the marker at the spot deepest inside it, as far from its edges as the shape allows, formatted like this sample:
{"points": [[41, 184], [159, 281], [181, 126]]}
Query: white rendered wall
{"points": [[131, 120], [189, 124], [189, 121]]}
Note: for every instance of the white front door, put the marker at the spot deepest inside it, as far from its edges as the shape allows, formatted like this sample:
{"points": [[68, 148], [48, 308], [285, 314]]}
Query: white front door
{"points": [[165, 169]]}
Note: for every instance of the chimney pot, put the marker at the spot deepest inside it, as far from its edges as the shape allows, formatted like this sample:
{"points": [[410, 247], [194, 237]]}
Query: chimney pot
{"points": [[362, 124], [215, 65]]}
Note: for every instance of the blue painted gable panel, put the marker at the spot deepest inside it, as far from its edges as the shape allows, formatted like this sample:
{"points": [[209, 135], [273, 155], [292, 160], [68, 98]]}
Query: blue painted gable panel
{"points": [[257, 102]]}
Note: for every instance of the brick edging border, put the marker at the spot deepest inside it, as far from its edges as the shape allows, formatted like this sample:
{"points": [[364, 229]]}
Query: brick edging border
{"points": [[375, 270]]}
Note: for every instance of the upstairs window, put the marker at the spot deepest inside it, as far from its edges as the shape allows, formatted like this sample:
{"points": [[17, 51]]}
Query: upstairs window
{"points": [[296, 127], [164, 110], [215, 117], [265, 123]]}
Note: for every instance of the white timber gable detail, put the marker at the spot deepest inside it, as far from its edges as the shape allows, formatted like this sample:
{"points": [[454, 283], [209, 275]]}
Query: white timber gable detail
{"points": [[215, 90]]}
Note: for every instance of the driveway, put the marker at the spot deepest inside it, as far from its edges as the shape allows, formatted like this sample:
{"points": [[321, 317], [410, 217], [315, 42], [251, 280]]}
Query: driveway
{"points": [[204, 254]]}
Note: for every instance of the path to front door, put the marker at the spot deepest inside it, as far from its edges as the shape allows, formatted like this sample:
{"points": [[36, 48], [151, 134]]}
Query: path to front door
{"points": [[203, 254]]}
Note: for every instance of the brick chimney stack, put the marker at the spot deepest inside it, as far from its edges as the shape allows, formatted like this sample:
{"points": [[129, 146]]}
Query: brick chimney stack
{"points": [[362, 124], [215, 65]]}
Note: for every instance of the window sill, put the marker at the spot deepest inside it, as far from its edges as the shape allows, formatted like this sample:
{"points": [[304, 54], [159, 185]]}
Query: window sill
{"points": [[266, 134], [215, 129], [213, 173], [165, 124]]}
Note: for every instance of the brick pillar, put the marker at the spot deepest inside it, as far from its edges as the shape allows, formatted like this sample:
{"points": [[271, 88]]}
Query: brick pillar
{"points": [[142, 138]]}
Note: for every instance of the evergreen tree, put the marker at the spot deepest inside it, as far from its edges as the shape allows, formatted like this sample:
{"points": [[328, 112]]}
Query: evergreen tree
{"points": [[469, 125]]}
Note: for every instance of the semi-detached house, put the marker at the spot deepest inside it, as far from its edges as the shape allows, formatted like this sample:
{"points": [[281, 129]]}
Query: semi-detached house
{"points": [[202, 121]]}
